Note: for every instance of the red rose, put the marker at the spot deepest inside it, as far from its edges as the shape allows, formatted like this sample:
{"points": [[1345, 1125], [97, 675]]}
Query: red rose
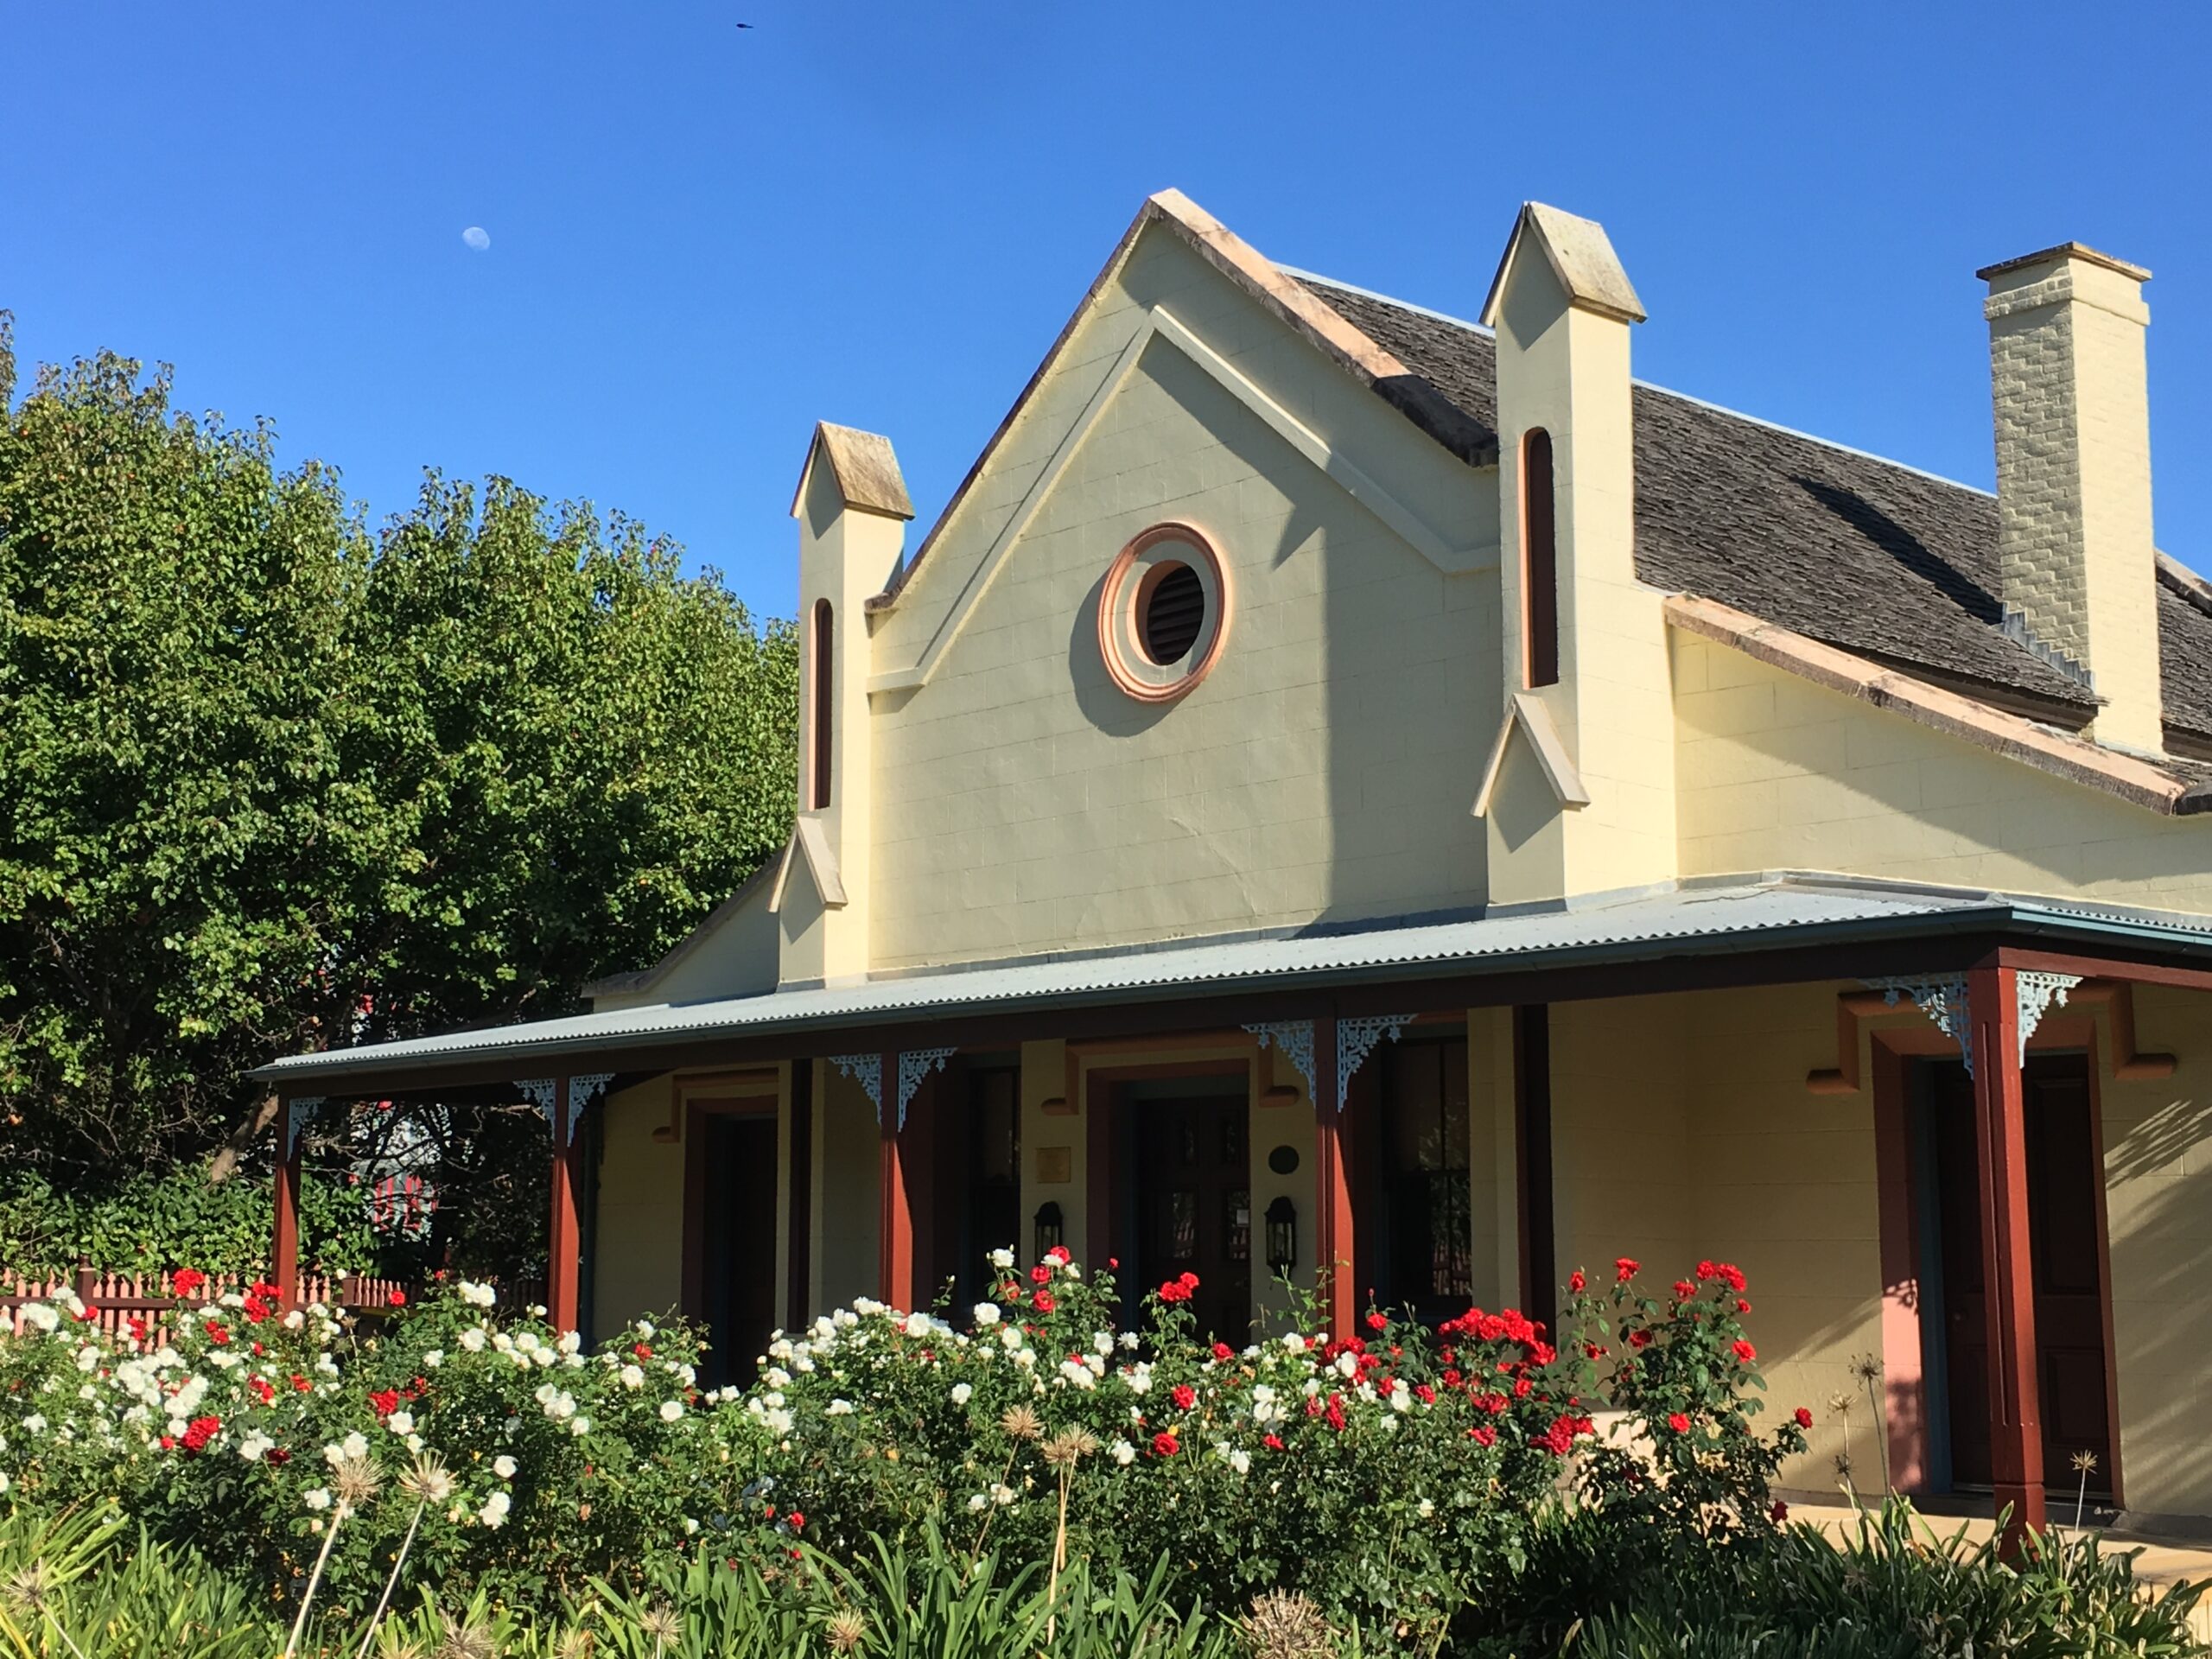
{"points": [[199, 1431], [1376, 1322], [1679, 1423], [1744, 1352], [1625, 1269], [1575, 1281], [1706, 1270], [1223, 1353], [300, 1384], [1165, 1445], [797, 1520], [1174, 1291], [1639, 1338], [1184, 1397], [1043, 1301], [277, 1457], [185, 1281], [385, 1403], [641, 1351], [1485, 1435], [1684, 1290], [1272, 1442], [1040, 1274], [1804, 1418], [1780, 1511], [1423, 1393], [218, 1334], [398, 1298], [1059, 1255], [1188, 1280]]}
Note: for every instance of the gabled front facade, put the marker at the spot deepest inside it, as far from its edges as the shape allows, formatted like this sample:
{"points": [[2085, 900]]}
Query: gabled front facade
{"points": [[1347, 793]]}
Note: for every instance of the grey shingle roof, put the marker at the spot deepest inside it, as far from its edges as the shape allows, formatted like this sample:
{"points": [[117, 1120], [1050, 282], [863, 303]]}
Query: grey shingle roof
{"points": [[1865, 554]]}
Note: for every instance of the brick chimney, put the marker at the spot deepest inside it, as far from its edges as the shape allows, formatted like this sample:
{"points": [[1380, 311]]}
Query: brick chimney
{"points": [[2078, 572]]}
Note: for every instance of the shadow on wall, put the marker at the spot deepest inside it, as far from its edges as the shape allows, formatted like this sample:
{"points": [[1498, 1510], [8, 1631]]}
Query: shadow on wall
{"points": [[2162, 1267]]}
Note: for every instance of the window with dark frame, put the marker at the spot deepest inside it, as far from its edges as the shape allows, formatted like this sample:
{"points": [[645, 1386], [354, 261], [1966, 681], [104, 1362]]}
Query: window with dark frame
{"points": [[824, 646], [1539, 562]]}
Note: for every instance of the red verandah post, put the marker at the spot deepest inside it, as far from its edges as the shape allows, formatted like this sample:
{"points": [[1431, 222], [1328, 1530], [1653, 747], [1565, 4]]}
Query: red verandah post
{"points": [[895, 1219], [284, 1265], [2008, 1271], [1333, 1251], [562, 1255]]}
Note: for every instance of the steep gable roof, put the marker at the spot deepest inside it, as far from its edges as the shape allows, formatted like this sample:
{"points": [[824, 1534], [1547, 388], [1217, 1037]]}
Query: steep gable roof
{"points": [[1870, 555]]}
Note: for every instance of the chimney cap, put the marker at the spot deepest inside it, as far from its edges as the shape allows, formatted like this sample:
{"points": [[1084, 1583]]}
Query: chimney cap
{"points": [[2063, 250]]}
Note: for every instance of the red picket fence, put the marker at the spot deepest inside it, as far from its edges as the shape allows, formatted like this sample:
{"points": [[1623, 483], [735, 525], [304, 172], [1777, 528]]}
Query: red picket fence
{"points": [[113, 1298]]}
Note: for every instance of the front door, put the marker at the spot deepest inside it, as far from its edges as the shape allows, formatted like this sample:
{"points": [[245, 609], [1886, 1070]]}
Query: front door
{"points": [[738, 1264], [2063, 1170], [1194, 1207]]}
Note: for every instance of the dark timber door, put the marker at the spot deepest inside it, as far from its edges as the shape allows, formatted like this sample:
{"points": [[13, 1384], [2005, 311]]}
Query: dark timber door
{"points": [[2064, 1169], [1194, 1207], [739, 1265]]}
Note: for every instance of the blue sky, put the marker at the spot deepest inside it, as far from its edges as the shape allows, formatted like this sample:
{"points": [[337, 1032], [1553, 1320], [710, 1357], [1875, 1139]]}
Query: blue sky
{"points": [[703, 237]]}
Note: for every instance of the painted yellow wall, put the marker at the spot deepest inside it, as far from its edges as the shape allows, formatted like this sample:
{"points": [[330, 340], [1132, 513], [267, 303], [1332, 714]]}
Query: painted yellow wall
{"points": [[845, 1171], [1044, 1077], [638, 1268], [2159, 1207], [1779, 773], [1324, 769], [732, 954]]}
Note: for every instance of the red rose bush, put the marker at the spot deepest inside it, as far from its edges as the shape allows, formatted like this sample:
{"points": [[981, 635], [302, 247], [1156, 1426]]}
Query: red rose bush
{"points": [[1394, 1474]]}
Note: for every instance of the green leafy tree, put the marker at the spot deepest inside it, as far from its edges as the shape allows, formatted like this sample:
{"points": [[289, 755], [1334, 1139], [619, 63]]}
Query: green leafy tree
{"points": [[270, 781]]}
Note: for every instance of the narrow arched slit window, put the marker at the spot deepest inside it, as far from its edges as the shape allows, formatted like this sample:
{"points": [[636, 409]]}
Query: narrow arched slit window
{"points": [[817, 793], [1539, 562]]}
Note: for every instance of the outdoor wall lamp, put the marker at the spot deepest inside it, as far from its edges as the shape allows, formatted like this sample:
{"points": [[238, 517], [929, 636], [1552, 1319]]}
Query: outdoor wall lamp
{"points": [[1051, 1230], [1282, 1236]]}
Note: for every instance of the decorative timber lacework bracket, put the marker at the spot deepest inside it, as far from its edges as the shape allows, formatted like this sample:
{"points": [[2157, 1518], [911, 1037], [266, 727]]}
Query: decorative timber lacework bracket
{"points": [[539, 1091], [913, 1066], [2035, 994], [866, 1069], [1356, 1040], [1294, 1038], [1943, 1000], [299, 1112], [581, 1089]]}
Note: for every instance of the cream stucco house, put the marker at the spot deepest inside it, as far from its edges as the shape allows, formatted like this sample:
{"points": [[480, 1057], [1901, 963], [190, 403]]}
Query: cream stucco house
{"points": [[1349, 791]]}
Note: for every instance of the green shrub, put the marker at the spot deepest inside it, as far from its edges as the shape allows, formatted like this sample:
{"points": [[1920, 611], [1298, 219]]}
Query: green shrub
{"points": [[142, 1223], [1893, 1587]]}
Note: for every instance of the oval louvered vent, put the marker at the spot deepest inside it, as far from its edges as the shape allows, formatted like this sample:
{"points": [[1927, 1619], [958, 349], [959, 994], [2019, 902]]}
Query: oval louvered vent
{"points": [[1173, 612]]}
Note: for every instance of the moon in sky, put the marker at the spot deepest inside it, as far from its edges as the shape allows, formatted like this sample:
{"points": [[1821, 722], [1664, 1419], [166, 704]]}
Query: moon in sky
{"points": [[477, 238]]}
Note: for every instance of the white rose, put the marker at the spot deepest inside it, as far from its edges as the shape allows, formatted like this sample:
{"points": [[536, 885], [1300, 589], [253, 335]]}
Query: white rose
{"points": [[1002, 1259], [1428, 1508], [432, 1359], [317, 1499], [1240, 1460], [962, 1393], [986, 1315], [580, 1427], [401, 1423], [504, 1466], [836, 1409], [494, 1512], [473, 1340], [672, 1409], [917, 1324], [355, 1445], [1123, 1453], [633, 1378]]}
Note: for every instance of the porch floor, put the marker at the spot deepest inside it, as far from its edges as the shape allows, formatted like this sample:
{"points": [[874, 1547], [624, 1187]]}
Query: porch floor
{"points": [[2160, 1564]]}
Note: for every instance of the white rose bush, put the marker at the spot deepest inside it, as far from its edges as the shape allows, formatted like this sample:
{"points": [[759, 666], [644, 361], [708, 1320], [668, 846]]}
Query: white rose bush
{"points": [[227, 1436]]}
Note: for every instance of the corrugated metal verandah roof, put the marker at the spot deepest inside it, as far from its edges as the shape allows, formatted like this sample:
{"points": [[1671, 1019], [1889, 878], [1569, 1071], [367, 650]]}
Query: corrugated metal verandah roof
{"points": [[1689, 920]]}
